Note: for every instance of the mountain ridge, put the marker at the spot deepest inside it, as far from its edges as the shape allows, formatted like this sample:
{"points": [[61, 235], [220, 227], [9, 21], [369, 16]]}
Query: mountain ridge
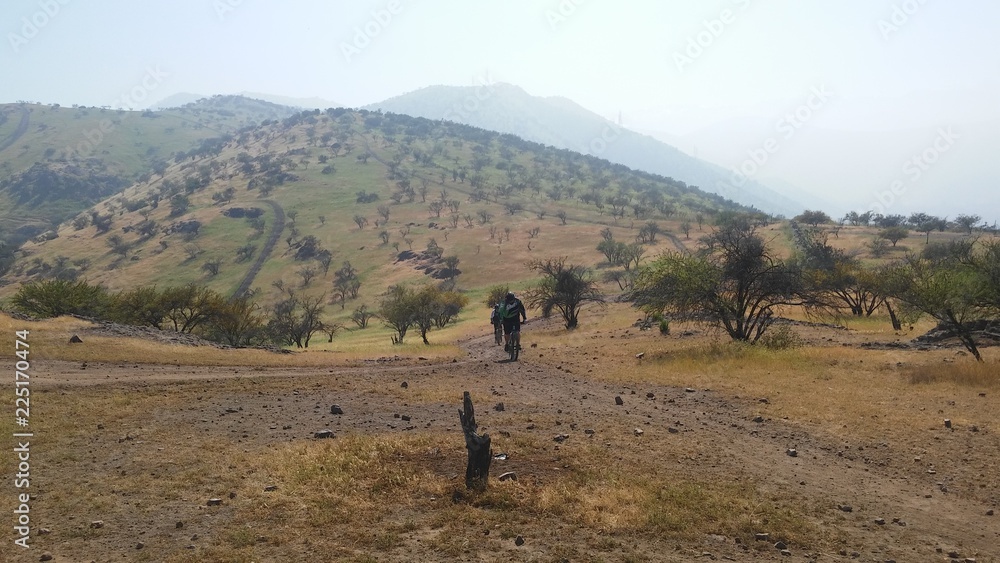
{"points": [[562, 123]]}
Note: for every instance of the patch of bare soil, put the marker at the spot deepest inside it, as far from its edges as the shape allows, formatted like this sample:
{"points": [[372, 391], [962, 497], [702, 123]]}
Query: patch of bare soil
{"points": [[883, 501]]}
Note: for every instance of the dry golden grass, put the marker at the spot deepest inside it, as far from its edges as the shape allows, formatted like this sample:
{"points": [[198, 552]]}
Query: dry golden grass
{"points": [[49, 340], [369, 496], [843, 389]]}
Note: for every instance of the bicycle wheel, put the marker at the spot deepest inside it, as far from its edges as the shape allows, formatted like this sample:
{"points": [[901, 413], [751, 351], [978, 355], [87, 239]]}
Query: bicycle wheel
{"points": [[515, 345], [498, 334]]}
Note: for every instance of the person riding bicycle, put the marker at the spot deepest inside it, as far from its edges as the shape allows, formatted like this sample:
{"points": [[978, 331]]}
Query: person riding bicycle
{"points": [[511, 311], [495, 320]]}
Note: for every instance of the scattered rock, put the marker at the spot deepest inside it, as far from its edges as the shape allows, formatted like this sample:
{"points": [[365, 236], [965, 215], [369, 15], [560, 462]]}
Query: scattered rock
{"points": [[519, 541], [688, 390], [619, 401], [215, 502], [786, 553], [75, 340], [637, 431], [498, 407], [590, 432], [404, 385], [270, 488], [947, 423], [672, 430], [323, 434], [880, 521], [179, 524], [758, 419], [989, 512], [97, 524], [780, 545], [405, 418], [46, 556], [792, 452], [761, 536], [508, 476], [140, 545], [335, 409], [561, 438], [845, 508]]}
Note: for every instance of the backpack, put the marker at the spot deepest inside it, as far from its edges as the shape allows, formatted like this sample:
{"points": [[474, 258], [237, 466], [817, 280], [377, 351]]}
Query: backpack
{"points": [[502, 310]]}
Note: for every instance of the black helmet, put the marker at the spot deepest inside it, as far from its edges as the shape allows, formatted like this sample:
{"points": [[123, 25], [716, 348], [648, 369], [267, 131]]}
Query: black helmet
{"points": [[510, 296]]}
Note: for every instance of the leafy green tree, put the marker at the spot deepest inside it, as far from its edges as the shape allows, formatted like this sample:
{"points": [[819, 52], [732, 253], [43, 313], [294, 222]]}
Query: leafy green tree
{"points": [[188, 307], [238, 322], [295, 321], [564, 287], [397, 312], [813, 218], [139, 306], [52, 298], [894, 234], [736, 281], [431, 307], [950, 291]]}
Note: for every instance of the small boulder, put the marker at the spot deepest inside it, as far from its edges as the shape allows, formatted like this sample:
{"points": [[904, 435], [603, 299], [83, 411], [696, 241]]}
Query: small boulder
{"points": [[335, 409]]}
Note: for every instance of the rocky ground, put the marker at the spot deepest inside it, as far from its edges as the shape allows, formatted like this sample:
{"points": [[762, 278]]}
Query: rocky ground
{"points": [[922, 498]]}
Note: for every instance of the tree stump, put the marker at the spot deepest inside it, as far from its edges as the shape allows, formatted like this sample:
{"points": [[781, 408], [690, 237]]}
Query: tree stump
{"points": [[480, 455]]}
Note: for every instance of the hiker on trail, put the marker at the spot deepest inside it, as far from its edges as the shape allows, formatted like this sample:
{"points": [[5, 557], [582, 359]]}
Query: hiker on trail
{"points": [[511, 311]]}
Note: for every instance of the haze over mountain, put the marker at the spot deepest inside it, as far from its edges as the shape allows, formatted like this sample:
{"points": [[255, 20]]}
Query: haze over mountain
{"points": [[714, 78], [562, 123]]}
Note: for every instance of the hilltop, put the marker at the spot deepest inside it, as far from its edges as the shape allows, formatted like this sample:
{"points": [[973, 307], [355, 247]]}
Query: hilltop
{"points": [[564, 124]]}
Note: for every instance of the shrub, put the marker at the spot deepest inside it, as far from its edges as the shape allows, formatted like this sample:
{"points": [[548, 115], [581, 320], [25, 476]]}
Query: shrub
{"points": [[781, 338]]}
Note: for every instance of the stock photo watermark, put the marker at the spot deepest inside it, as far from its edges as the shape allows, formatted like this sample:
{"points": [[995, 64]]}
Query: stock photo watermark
{"points": [[914, 169], [472, 103], [713, 29], [561, 12], [900, 16], [365, 34], [22, 439], [786, 128], [33, 24], [225, 7]]}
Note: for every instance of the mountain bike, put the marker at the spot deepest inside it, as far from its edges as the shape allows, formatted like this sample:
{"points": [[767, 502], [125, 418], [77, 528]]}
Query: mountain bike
{"points": [[515, 345], [498, 333]]}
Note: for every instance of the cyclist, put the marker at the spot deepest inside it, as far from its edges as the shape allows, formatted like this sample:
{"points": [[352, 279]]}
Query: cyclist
{"points": [[511, 312], [495, 320]]}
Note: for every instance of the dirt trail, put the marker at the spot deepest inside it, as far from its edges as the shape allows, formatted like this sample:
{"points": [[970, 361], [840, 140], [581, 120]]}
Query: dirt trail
{"points": [[845, 487], [265, 252]]}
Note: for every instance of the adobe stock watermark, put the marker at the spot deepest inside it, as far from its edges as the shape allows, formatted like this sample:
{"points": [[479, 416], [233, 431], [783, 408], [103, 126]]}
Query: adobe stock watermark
{"points": [[913, 169], [225, 7], [900, 16], [461, 110], [561, 13], [698, 43], [785, 128], [32, 25], [139, 93], [600, 143], [365, 34]]}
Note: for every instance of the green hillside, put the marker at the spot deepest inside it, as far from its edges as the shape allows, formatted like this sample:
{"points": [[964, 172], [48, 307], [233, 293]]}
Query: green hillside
{"points": [[56, 161], [382, 192]]}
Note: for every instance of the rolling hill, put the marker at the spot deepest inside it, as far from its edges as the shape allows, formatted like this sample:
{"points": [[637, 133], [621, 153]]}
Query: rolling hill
{"points": [[289, 203], [56, 161], [562, 123]]}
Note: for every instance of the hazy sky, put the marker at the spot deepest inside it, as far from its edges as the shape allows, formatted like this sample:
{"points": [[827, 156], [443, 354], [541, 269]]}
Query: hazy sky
{"points": [[670, 67]]}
